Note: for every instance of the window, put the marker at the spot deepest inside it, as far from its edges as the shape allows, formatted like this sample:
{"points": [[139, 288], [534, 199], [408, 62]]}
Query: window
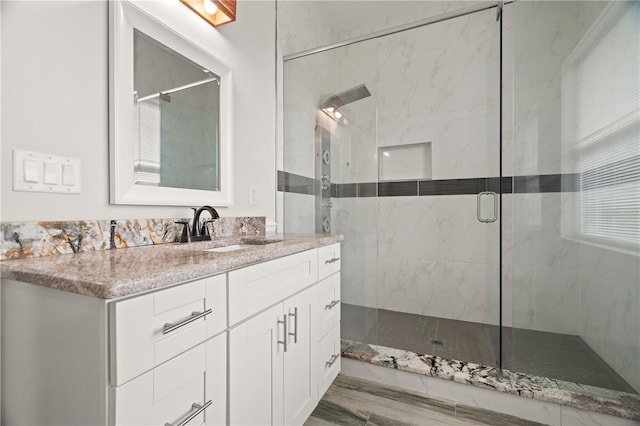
{"points": [[601, 133]]}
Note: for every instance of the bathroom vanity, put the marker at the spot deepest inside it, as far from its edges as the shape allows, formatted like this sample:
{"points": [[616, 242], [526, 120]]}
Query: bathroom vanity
{"points": [[172, 334]]}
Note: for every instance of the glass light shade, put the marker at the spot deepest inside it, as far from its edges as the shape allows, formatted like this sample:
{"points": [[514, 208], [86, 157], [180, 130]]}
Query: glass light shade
{"points": [[226, 10]]}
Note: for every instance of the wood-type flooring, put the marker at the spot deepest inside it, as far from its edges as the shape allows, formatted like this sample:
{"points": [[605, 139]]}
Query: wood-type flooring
{"points": [[352, 401]]}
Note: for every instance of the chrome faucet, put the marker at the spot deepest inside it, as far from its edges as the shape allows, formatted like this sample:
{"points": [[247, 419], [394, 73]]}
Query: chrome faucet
{"points": [[198, 232]]}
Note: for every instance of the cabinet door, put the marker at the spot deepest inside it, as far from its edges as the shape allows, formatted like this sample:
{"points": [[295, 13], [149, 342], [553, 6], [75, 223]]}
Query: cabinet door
{"points": [[300, 387], [216, 380], [327, 359], [328, 260], [165, 394], [139, 339], [257, 287], [255, 369], [327, 307]]}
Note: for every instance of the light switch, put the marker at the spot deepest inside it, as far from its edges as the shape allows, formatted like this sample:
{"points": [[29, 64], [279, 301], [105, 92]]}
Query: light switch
{"points": [[50, 174], [68, 175], [30, 171], [40, 172]]}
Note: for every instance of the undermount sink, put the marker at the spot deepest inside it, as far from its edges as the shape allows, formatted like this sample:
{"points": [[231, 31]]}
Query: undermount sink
{"points": [[224, 249], [260, 241], [233, 244]]}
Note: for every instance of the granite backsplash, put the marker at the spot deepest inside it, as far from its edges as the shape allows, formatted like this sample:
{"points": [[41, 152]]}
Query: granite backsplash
{"points": [[20, 240]]}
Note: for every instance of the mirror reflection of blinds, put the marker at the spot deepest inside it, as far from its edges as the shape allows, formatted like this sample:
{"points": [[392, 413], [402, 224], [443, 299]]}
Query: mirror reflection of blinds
{"points": [[608, 133], [147, 142]]}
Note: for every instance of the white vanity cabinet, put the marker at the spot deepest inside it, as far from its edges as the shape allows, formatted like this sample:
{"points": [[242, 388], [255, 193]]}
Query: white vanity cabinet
{"points": [[167, 336], [190, 387], [78, 360], [257, 345], [270, 351], [273, 368], [326, 351], [141, 337]]}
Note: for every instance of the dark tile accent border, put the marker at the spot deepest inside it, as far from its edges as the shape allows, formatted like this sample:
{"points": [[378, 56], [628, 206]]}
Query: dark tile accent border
{"points": [[451, 186], [395, 189], [346, 190], [280, 180], [532, 184], [569, 182], [368, 189], [507, 185], [289, 182]]}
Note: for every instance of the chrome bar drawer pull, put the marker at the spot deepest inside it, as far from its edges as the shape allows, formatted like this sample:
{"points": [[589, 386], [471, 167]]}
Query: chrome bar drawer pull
{"points": [[193, 413], [295, 325], [168, 327], [332, 260], [284, 341], [332, 304], [332, 360]]}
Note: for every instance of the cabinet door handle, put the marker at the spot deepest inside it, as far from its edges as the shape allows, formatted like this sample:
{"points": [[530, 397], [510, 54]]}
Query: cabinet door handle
{"points": [[295, 325], [168, 327], [332, 304], [195, 410], [332, 360], [284, 341], [332, 260]]}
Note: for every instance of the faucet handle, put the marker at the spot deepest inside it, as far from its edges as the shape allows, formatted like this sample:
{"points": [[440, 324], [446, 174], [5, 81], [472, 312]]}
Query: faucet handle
{"points": [[186, 232], [205, 229]]}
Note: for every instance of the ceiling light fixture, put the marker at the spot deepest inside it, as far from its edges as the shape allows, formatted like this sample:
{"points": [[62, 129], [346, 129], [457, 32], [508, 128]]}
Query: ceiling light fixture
{"points": [[210, 7], [215, 12]]}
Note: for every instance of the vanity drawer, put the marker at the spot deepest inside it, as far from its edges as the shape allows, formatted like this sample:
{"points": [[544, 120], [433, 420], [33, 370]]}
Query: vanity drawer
{"points": [[191, 382], [141, 335], [257, 287], [328, 361], [328, 306], [328, 260]]}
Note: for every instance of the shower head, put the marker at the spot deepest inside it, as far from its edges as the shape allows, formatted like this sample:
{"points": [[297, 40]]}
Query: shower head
{"points": [[348, 96]]}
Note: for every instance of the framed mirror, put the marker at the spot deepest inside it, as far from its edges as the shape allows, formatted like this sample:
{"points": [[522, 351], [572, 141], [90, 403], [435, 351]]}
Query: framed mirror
{"points": [[170, 115]]}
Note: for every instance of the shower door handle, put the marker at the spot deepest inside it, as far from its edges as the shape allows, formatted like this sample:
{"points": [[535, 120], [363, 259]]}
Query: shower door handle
{"points": [[494, 217]]}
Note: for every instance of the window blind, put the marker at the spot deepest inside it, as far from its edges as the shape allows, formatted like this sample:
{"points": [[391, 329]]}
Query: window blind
{"points": [[607, 134], [147, 142]]}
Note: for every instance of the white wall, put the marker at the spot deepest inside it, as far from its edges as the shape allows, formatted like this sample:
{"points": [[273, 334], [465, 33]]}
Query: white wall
{"points": [[55, 100]]}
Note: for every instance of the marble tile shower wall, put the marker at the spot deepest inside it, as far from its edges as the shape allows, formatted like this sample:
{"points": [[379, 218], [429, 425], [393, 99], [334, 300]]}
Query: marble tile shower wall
{"points": [[20, 240], [437, 85], [304, 26], [562, 284], [550, 282]]}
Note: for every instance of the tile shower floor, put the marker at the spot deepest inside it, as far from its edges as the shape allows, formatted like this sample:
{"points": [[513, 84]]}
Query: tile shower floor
{"points": [[538, 353]]}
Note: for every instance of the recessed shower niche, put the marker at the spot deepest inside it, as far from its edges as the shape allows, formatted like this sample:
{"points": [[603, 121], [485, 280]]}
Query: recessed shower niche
{"points": [[404, 162]]}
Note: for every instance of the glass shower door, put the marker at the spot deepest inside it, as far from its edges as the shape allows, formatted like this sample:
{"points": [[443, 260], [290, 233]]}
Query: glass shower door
{"points": [[330, 168], [394, 142], [439, 193]]}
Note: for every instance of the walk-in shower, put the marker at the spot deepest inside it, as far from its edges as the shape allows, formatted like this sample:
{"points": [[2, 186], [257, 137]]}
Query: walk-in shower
{"points": [[488, 185]]}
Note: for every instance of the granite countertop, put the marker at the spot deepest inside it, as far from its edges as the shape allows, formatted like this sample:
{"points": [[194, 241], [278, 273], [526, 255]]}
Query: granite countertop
{"points": [[615, 403], [109, 274]]}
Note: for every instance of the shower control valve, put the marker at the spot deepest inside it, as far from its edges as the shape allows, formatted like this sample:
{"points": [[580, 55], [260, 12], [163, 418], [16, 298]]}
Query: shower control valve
{"points": [[325, 182]]}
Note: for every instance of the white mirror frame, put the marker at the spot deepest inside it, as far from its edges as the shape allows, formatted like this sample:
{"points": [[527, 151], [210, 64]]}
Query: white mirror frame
{"points": [[123, 18]]}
